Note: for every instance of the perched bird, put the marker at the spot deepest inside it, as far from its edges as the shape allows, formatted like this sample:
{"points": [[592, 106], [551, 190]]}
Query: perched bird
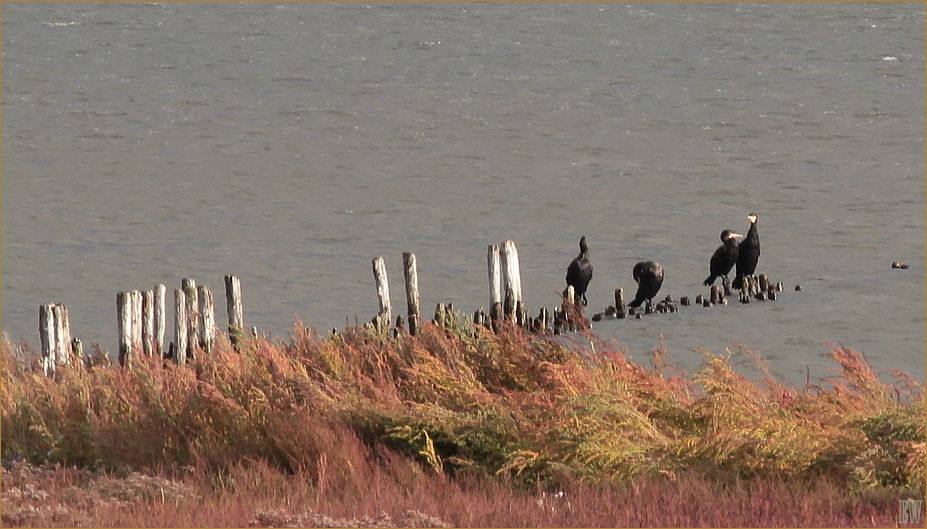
{"points": [[579, 273], [748, 253], [724, 258], [649, 277]]}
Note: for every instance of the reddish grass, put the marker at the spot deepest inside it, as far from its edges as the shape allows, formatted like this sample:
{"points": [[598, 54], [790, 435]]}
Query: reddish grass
{"points": [[464, 425]]}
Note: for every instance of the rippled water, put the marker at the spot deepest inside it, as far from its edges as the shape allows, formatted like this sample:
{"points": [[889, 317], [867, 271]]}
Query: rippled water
{"points": [[292, 143]]}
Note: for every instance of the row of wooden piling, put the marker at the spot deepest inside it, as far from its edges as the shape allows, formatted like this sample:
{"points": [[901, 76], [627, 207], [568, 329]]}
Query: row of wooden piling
{"points": [[505, 294], [142, 322], [142, 317]]}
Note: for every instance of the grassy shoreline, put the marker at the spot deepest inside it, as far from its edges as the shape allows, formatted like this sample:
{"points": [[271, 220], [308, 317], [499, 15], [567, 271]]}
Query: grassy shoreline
{"points": [[472, 427]]}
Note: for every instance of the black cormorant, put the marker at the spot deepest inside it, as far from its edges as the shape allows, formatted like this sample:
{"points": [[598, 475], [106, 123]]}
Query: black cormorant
{"points": [[748, 253], [724, 258], [649, 277], [579, 273]]}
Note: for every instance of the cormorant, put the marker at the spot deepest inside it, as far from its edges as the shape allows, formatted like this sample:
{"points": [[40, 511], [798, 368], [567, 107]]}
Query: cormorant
{"points": [[579, 273], [649, 277], [724, 258], [748, 253]]}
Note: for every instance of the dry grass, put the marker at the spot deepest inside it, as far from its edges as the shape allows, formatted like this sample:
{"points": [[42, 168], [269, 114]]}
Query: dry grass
{"points": [[466, 426]]}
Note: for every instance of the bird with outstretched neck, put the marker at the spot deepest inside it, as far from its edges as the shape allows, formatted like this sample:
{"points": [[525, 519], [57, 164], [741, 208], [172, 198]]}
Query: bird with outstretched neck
{"points": [[649, 277], [579, 273], [748, 253], [724, 258]]}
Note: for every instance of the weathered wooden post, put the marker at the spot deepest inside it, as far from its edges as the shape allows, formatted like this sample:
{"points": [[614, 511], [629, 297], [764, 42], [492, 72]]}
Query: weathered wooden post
{"points": [[148, 317], [384, 317], [512, 281], [160, 319], [193, 314], [726, 286], [126, 325], [62, 334], [543, 321], [207, 318], [568, 307], [764, 282], [233, 308], [411, 275], [716, 295], [620, 309], [47, 337], [494, 265], [77, 349], [440, 317], [180, 327]]}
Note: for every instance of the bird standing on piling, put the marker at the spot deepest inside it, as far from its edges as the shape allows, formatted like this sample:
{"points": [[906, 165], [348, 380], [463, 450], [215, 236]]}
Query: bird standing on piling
{"points": [[579, 273], [748, 253], [724, 258], [649, 277]]}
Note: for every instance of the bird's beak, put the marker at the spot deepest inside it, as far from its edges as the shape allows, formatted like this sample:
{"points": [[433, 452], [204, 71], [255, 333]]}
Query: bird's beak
{"points": [[735, 235]]}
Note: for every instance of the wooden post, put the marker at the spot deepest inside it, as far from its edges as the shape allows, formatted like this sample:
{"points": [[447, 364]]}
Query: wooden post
{"points": [[207, 318], [764, 283], [716, 295], [494, 264], [62, 334], [124, 326], [148, 318], [726, 285], [160, 319], [512, 279], [193, 315], [384, 317], [620, 310], [180, 327], [495, 316], [135, 315], [440, 315], [568, 300], [47, 337], [543, 323], [411, 275], [233, 308], [77, 349]]}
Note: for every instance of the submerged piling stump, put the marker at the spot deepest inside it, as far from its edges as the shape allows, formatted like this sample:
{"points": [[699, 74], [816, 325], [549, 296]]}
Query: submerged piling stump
{"points": [[620, 308]]}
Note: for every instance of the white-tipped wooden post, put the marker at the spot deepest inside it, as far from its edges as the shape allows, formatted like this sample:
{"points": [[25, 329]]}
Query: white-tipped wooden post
{"points": [[411, 276], [494, 265], [180, 326], [62, 334], [47, 337], [136, 299], [384, 318], [620, 310], [512, 276], [148, 317], [207, 317], [128, 324], [193, 315], [160, 319], [233, 307]]}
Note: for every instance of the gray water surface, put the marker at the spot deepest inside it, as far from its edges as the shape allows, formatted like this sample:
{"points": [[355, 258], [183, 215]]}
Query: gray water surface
{"points": [[291, 143]]}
